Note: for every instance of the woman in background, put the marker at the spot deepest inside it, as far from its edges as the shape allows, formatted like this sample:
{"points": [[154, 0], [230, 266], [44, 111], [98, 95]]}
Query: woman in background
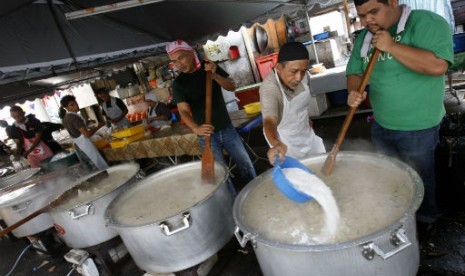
{"points": [[27, 134], [158, 114], [77, 128]]}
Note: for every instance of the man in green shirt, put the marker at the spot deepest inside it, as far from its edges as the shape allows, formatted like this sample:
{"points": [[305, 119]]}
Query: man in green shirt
{"points": [[189, 90], [406, 86]]}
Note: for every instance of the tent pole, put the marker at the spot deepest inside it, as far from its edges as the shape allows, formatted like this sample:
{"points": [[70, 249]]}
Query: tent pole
{"points": [[62, 33], [346, 14], [310, 32]]}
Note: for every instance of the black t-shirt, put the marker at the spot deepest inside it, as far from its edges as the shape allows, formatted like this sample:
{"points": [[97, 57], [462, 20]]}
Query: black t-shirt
{"points": [[191, 88], [73, 123], [33, 126], [161, 110], [119, 103]]}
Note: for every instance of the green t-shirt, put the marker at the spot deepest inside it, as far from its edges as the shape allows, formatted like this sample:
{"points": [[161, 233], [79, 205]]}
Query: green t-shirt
{"points": [[191, 88], [403, 99]]}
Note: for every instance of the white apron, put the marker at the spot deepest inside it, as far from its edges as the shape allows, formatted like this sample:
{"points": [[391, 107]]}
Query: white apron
{"points": [[294, 129], [114, 112], [85, 145]]}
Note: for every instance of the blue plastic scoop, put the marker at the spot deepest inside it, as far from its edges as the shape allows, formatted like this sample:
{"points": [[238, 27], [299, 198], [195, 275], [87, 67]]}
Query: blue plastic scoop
{"points": [[284, 185]]}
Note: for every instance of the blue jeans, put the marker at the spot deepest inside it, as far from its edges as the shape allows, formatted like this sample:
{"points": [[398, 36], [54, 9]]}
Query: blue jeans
{"points": [[416, 148], [229, 139]]}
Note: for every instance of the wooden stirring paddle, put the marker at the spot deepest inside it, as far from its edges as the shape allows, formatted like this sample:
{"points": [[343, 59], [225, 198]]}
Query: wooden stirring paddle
{"points": [[331, 158], [207, 155]]}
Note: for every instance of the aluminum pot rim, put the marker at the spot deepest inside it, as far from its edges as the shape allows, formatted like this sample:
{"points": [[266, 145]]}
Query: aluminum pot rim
{"points": [[6, 178], [109, 218], [418, 193], [84, 178], [30, 191]]}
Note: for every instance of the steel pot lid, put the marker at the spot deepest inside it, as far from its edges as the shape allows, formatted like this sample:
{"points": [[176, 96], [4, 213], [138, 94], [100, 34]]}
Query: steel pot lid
{"points": [[117, 176], [17, 177], [163, 195]]}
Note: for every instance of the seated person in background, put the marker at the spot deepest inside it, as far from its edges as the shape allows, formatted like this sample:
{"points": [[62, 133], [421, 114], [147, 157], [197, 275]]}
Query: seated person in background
{"points": [[78, 130], [158, 114], [27, 134], [114, 109]]}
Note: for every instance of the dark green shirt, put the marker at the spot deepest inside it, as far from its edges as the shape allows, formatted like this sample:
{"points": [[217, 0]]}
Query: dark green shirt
{"points": [[191, 88]]}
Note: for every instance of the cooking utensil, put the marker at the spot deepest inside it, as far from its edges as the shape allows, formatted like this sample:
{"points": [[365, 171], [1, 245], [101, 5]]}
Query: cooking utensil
{"points": [[80, 223], [284, 185], [60, 199], [20, 176], [261, 39], [207, 155], [366, 252], [331, 158], [186, 231]]}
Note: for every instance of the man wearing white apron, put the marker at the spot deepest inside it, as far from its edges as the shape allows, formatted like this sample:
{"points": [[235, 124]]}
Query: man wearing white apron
{"points": [[285, 99], [114, 108]]}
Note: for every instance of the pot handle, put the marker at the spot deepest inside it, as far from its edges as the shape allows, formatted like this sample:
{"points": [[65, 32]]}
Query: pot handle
{"points": [[165, 226], [21, 207], [244, 239], [140, 175], [398, 238], [75, 215]]}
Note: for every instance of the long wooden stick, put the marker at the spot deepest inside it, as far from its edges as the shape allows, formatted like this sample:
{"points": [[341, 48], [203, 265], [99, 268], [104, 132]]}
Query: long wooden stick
{"points": [[331, 158], [207, 155]]}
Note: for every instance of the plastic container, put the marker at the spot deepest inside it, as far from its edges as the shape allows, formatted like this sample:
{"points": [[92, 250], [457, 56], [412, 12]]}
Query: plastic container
{"points": [[252, 108], [127, 132], [459, 42], [59, 161], [338, 97], [234, 52], [321, 36], [284, 185], [121, 143], [265, 64]]}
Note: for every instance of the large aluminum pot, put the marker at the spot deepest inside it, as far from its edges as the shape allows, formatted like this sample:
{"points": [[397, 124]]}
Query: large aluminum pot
{"points": [[386, 251], [171, 221], [80, 221], [17, 177], [19, 200]]}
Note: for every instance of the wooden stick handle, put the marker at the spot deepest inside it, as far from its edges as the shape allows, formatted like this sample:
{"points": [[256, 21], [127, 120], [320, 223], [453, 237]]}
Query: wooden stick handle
{"points": [[208, 105], [361, 89], [208, 99], [331, 158]]}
